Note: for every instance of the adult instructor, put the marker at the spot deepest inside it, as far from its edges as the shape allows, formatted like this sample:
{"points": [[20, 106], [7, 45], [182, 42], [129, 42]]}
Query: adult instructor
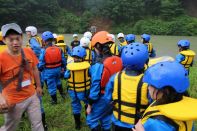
{"points": [[18, 67]]}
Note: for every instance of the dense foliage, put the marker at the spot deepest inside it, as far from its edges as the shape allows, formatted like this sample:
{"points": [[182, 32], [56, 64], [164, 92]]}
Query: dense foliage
{"points": [[166, 17]]}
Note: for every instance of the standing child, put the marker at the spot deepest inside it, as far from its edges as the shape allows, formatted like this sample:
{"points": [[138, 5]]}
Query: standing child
{"points": [[185, 56], [146, 41], [171, 110], [100, 71], [126, 89], [78, 82], [85, 42], [53, 63]]}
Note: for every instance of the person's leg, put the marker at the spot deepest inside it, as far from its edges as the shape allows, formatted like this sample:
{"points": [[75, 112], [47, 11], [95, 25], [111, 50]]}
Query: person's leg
{"points": [[119, 128], [106, 123], [60, 88], [43, 114], [34, 114], [12, 118], [76, 108], [51, 83]]}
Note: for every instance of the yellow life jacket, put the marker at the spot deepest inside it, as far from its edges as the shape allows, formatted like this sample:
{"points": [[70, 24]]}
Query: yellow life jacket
{"points": [[79, 79], [130, 97], [88, 57], [63, 47], [90, 46], [189, 57], [3, 47], [38, 39], [178, 114], [114, 49], [150, 47], [123, 43]]}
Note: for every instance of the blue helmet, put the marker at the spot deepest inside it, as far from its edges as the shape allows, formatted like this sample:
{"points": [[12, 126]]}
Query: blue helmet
{"points": [[130, 37], [79, 52], [146, 37], [169, 73], [47, 35], [184, 43], [134, 56]]}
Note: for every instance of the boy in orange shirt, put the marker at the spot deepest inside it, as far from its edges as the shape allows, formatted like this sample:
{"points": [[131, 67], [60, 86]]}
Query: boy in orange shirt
{"points": [[18, 67]]}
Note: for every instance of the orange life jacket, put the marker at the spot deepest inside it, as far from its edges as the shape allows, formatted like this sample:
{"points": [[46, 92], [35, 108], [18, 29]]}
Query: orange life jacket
{"points": [[112, 65], [53, 57]]}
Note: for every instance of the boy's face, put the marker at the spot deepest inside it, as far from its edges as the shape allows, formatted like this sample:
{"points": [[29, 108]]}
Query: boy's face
{"points": [[28, 34], [14, 42], [75, 38]]}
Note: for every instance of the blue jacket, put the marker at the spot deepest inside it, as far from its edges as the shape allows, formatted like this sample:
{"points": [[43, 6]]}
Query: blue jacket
{"points": [[35, 46]]}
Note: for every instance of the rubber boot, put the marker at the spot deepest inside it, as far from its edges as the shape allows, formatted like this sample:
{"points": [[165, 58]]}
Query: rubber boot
{"points": [[98, 128], [77, 121], [54, 99], [61, 91], [44, 122]]}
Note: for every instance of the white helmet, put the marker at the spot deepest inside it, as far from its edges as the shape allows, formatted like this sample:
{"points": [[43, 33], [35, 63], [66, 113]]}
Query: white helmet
{"points": [[88, 35], [55, 35], [84, 42], [31, 29], [113, 37], [120, 35], [75, 35]]}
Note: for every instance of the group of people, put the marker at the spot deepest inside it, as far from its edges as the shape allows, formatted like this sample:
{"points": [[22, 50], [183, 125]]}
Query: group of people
{"points": [[114, 81]]}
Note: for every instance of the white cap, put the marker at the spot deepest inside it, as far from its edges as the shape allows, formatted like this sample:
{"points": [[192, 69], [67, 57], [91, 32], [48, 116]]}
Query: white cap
{"points": [[31, 29], [120, 35], [5, 28], [54, 35], [75, 35], [84, 42]]}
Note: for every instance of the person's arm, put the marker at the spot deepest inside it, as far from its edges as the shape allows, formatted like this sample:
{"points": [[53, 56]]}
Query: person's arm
{"points": [[96, 74], [68, 50], [67, 74], [41, 63], [35, 46], [63, 60], [37, 80], [180, 58], [153, 53]]}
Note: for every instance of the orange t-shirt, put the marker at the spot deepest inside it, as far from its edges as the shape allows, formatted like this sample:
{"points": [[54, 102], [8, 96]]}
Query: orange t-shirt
{"points": [[10, 66]]}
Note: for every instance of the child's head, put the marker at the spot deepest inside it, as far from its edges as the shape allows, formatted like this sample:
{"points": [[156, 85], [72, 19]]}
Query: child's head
{"points": [[47, 38], [12, 36], [134, 56], [145, 38], [101, 42], [85, 42], [79, 53], [75, 37], [120, 37], [183, 45], [168, 81], [130, 38]]}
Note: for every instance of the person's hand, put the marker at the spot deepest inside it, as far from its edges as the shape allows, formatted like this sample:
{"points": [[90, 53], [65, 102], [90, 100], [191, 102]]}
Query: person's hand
{"points": [[39, 91], [138, 126], [88, 110], [3, 103]]}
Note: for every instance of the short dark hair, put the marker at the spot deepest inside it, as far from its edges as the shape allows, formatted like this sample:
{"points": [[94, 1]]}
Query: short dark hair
{"points": [[11, 32], [170, 96]]}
